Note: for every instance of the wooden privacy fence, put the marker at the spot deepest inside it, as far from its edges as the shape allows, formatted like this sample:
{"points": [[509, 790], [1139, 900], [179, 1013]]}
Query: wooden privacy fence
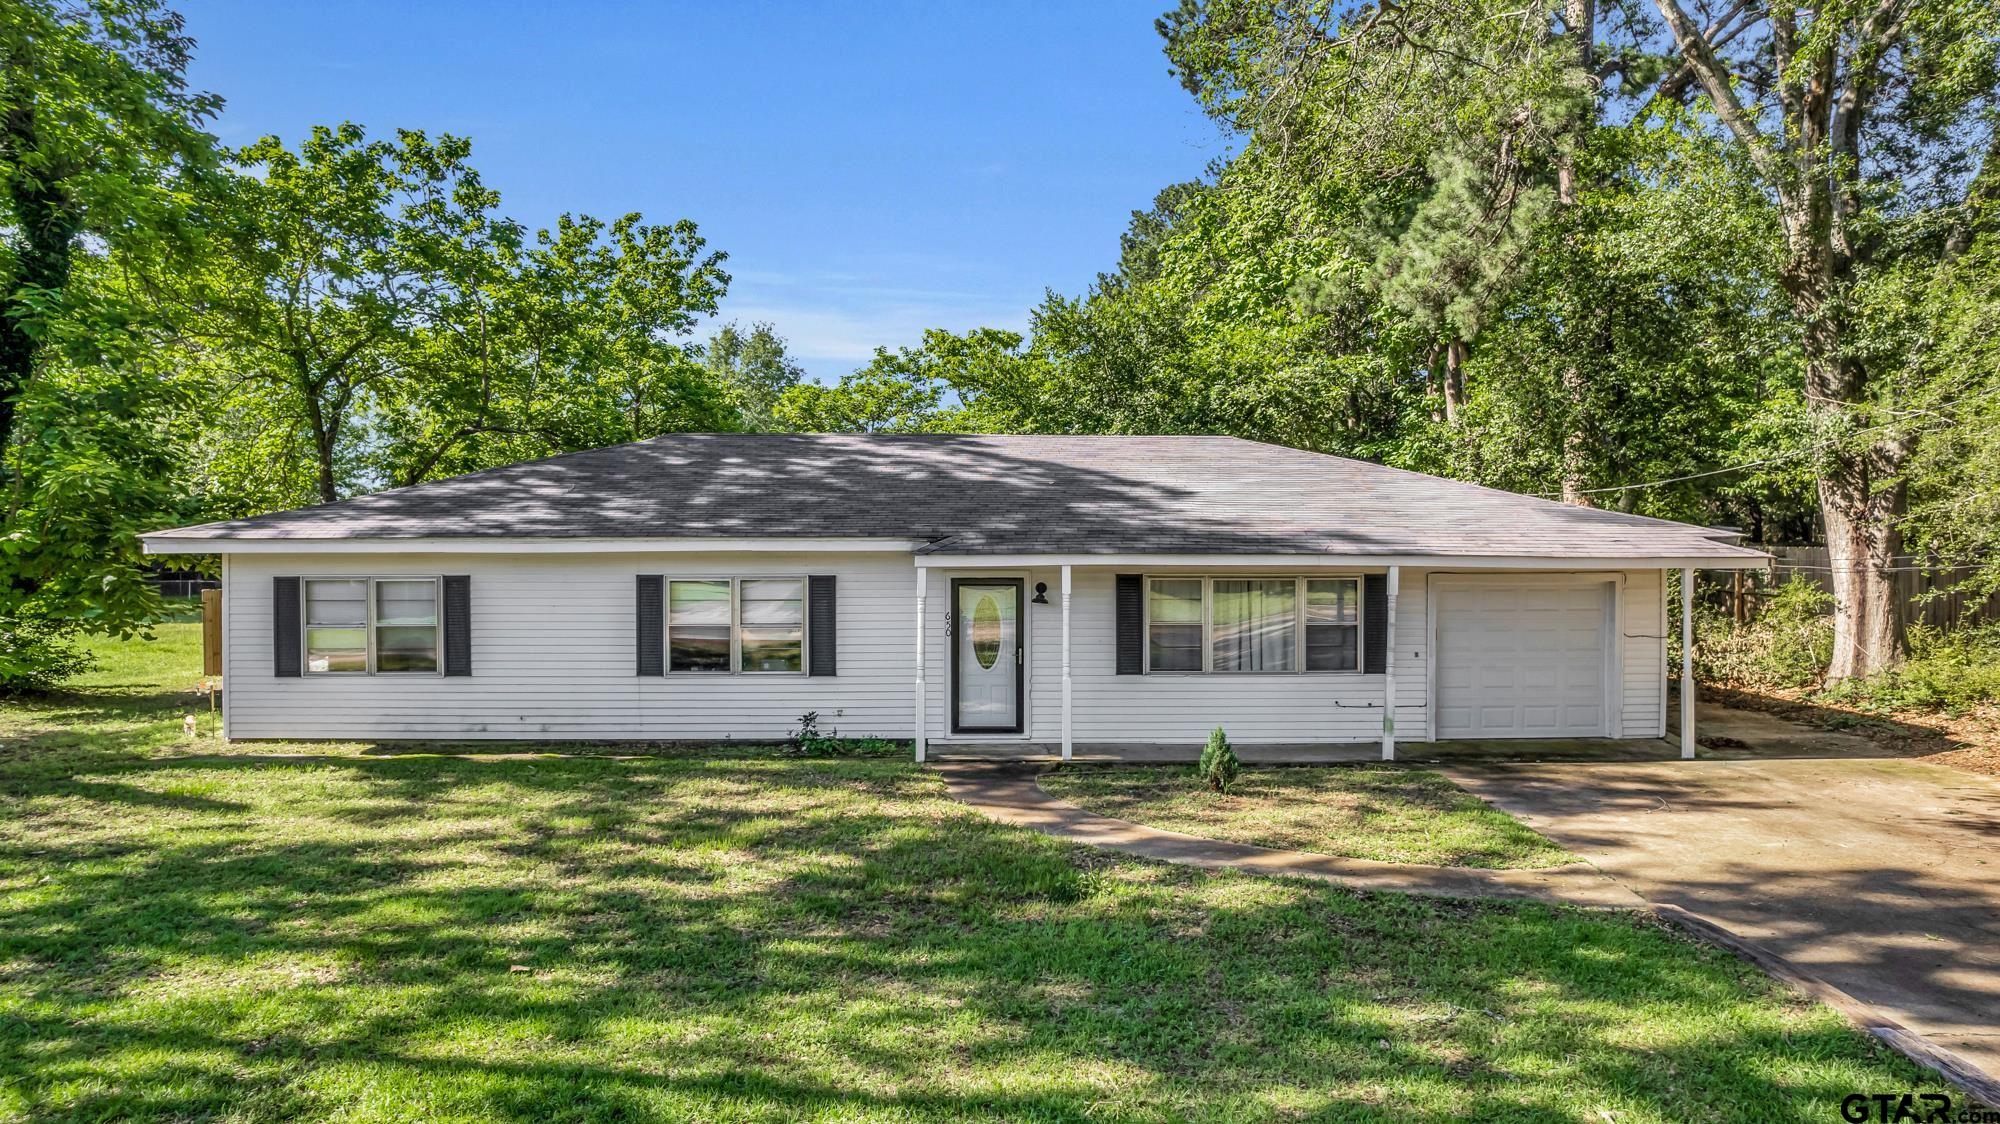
{"points": [[1928, 594]]}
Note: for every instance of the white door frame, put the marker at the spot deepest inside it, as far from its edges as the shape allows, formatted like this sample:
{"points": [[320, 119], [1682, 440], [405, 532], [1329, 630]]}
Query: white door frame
{"points": [[1614, 694], [937, 625]]}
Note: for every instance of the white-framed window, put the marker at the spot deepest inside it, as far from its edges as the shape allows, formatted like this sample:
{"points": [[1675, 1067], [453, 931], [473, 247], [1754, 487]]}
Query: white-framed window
{"points": [[1332, 624], [752, 626], [371, 626], [1253, 624]]}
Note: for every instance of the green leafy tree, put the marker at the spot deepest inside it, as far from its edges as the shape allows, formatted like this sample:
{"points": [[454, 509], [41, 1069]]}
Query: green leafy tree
{"points": [[755, 369], [1856, 119], [1450, 128], [366, 306], [327, 264], [576, 340], [99, 135], [982, 381]]}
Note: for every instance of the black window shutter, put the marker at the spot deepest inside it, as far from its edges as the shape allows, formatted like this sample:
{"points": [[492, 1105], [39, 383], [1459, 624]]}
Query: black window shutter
{"points": [[1131, 624], [1375, 623], [652, 625], [285, 647], [822, 624], [458, 624]]}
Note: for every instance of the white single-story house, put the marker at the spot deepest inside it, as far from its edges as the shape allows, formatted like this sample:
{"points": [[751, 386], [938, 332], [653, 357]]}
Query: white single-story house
{"points": [[1040, 591]]}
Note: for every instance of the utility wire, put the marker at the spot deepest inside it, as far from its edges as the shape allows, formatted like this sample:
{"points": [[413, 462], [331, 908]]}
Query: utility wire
{"points": [[1779, 459]]}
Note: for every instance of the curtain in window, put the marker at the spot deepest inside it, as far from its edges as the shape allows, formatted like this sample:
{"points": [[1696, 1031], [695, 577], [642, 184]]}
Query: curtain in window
{"points": [[1173, 613], [1255, 623]]}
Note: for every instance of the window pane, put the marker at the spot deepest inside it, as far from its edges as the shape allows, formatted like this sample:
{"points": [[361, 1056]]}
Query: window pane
{"points": [[406, 633], [1333, 601], [1332, 647], [774, 632], [1173, 609], [1333, 618], [405, 602], [1256, 624], [698, 626], [336, 625]]}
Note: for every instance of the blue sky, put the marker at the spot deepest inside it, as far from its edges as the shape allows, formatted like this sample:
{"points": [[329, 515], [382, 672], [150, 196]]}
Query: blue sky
{"points": [[871, 169]]}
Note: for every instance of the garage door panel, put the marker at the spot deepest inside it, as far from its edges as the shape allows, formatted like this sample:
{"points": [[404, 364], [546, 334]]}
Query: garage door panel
{"points": [[1522, 659], [1583, 716]]}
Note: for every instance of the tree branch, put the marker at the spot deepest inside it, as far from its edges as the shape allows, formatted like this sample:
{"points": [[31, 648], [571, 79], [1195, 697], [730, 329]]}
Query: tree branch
{"points": [[1714, 77]]}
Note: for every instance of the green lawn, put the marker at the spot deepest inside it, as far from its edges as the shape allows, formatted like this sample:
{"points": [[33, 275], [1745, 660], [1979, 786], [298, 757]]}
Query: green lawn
{"points": [[331, 932], [1383, 812]]}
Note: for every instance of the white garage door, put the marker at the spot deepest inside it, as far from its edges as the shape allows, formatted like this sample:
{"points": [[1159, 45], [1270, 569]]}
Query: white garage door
{"points": [[1522, 659]]}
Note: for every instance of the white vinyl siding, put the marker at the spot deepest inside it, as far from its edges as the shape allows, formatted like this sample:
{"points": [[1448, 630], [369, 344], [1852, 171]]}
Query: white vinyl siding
{"points": [[554, 651], [553, 655], [1642, 655]]}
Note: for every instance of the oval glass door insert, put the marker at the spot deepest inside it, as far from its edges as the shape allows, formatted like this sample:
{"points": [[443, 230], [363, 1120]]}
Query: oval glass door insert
{"points": [[986, 632]]}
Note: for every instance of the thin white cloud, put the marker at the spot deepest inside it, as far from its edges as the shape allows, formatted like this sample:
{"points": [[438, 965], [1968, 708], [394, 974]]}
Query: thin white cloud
{"points": [[833, 320], [824, 337]]}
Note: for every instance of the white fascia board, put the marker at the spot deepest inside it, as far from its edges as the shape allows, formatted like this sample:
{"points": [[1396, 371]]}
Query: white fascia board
{"points": [[224, 545], [1337, 561]]}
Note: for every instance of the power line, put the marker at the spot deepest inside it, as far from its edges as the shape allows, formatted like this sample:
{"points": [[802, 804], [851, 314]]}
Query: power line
{"points": [[1779, 459]]}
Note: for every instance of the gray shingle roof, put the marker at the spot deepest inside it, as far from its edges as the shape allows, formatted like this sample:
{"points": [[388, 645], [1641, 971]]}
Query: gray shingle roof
{"points": [[986, 495]]}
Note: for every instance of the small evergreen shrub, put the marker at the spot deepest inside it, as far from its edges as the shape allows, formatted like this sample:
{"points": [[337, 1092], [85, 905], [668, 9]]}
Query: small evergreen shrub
{"points": [[1218, 765]]}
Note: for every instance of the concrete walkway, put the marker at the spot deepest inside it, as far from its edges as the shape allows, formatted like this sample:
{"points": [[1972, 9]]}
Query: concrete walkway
{"points": [[1008, 793]]}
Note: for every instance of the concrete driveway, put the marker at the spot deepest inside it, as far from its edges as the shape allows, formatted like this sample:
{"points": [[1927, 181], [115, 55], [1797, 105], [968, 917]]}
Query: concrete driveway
{"points": [[1880, 876]]}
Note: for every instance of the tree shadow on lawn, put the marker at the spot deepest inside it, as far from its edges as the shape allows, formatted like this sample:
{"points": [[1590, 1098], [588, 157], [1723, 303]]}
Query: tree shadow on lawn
{"points": [[336, 937]]}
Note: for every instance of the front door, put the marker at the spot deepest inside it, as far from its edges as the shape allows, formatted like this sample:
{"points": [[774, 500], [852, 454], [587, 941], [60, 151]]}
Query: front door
{"points": [[986, 656]]}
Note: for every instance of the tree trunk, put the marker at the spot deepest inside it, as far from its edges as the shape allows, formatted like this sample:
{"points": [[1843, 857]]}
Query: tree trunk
{"points": [[324, 434], [1573, 439], [1581, 18], [1863, 543], [1862, 499], [1454, 379]]}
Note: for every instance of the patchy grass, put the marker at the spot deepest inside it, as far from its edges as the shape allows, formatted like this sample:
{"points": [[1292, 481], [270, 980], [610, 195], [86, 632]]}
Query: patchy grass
{"points": [[1383, 812], [320, 932]]}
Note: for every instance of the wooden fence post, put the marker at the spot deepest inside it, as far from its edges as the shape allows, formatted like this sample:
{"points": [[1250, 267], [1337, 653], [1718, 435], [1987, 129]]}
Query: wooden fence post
{"points": [[211, 632]]}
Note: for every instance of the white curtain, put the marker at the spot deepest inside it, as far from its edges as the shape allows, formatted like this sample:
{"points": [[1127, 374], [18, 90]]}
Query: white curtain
{"points": [[1256, 624]]}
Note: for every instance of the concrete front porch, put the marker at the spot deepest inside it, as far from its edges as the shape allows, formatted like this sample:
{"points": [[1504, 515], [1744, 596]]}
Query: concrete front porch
{"points": [[1727, 733]]}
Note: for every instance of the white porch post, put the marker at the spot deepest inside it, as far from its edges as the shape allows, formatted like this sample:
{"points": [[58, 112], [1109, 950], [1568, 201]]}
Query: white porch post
{"points": [[1687, 663], [1389, 670], [1066, 727], [923, 584]]}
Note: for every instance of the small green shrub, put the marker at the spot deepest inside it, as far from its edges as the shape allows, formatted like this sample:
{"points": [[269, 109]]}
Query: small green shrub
{"points": [[1950, 671], [37, 654], [810, 741], [1219, 765], [1789, 643]]}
